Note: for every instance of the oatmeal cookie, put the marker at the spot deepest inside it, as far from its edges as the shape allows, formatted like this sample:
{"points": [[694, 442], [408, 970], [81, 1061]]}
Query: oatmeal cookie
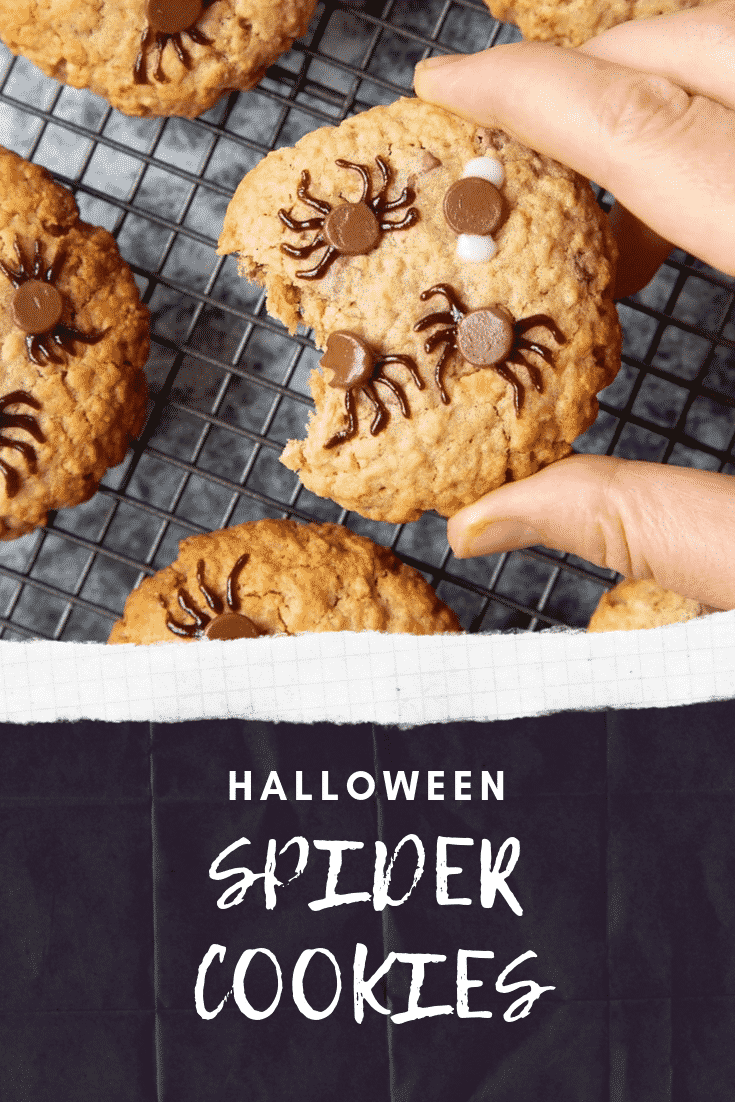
{"points": [[155, 57], [271, 577], [73, 343], [462, 288], [643, 604], [572, 22]]}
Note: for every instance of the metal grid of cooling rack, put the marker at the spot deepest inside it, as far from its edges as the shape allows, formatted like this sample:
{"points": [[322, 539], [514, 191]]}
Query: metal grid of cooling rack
{"points": [[228, 385]]}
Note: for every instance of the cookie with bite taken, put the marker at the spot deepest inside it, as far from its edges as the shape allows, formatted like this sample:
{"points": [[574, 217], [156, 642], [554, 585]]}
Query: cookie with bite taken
{"points": [[461, 287]]}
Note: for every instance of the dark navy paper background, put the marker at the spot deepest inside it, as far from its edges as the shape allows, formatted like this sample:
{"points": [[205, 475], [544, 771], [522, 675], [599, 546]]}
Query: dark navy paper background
{"points": [[626, 874]]}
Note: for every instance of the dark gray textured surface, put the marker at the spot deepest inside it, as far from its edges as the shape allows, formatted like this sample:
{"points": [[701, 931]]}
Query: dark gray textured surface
{"points": [[625, 877], [229, 386]]}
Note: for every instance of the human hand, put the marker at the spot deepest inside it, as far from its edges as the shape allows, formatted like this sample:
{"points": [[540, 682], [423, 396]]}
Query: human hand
{"points": [[648, 111], [644, 520]]}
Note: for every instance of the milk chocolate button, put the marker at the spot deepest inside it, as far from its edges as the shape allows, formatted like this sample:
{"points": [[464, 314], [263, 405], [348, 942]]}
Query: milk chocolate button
{"points": [[352, 229], [172, 16], [474, 206], [350, 358], [231, 625], [37, 307], [485, 337]]}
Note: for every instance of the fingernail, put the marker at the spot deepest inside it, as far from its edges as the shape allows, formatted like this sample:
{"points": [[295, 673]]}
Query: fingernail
{"points": [[439, 59], [487, 537]]}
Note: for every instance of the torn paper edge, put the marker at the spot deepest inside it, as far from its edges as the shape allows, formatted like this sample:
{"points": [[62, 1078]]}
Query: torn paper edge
{"points": [[367, 677]]}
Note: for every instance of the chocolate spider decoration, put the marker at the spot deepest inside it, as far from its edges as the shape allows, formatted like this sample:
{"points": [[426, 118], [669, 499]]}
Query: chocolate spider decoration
{"points": [[225, 623], [350, 229], [37, 308], [167, 21], [488, 337], [357, 368], [18, 421]]}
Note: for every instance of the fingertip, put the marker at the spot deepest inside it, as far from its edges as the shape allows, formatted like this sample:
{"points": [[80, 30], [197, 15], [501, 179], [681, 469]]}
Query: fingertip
{"points": [[429, 78], [457, 536], [466, 528], [419, 81], [437, 61], [474, 533], [460, 83]]}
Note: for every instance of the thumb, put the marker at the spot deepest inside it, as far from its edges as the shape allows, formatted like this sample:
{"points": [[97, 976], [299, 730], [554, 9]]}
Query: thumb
{"points": [[665, 154], [643, 520]]}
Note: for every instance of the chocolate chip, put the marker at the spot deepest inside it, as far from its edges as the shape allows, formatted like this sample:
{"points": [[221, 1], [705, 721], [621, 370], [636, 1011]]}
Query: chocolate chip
{"points": [[485, 337], [231, 625], [350, 358], [491, 139], [352, 229], [172, 16], [37, 307], [473, 205]]}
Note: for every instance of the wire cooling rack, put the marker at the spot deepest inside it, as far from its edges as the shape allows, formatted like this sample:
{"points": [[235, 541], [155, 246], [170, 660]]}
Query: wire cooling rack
{"points": [[228, 385]]}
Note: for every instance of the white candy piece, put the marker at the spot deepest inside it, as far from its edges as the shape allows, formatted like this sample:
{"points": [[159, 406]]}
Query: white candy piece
{"points": [[488, 168], [474, 248]]}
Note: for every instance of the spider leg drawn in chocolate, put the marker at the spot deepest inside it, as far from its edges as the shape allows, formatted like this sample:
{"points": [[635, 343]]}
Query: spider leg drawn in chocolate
{"points": [[488, 337], [357, 368], [168, 20], [349, 229], [23, 421], [37, 307], [223, 620]]}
